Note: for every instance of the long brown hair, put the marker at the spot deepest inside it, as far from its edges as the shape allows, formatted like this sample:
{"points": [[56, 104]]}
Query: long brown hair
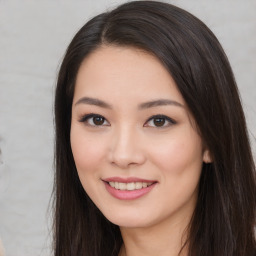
{"points": [[224, 219]]}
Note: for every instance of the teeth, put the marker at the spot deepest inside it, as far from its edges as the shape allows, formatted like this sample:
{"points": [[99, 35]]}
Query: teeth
{"points": [[138, 185], [116, 185], [121, 186], [144, 185], [112, 184], [129, 186]]}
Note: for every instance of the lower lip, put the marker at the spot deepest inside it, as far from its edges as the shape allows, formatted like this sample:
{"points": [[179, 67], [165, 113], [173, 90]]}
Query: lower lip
{"points": [[128, 194]]}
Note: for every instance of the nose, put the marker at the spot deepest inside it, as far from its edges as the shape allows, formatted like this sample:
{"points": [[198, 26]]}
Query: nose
{"points": [[126, 149]]}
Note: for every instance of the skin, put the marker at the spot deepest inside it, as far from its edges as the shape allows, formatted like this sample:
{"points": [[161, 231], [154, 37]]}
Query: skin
{"points": [[129, 144]]}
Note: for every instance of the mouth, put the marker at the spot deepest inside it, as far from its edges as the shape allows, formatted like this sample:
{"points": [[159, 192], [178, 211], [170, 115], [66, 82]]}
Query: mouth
{"points": [[128, 189], [129, 186]]}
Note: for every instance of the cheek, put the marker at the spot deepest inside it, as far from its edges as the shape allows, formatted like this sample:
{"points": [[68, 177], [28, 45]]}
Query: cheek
{"points": [[178, 154], [87, 151], [179, 164]]}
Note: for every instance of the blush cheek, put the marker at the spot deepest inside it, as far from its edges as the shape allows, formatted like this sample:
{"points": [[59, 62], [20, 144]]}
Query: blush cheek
{"points": [[87, 153], [177, 156], [168, 156]]}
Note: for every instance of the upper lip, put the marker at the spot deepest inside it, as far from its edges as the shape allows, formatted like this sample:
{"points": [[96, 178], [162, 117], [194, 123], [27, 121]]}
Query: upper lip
{"points": [[128, 180]]}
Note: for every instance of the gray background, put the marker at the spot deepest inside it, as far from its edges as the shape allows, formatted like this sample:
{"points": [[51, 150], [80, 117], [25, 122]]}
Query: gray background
{"points": [[33, 38]]}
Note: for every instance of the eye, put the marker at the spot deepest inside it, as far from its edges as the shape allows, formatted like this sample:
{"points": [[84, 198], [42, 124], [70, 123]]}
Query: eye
{"points": [[94, 120], [159, 121]]}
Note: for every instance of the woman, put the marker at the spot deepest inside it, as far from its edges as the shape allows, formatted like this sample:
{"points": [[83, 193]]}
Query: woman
{"points": [[152, 151]]}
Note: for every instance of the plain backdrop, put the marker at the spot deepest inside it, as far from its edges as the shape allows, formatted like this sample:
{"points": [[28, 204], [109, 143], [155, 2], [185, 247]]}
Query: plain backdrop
{"points": [[33, 39]]}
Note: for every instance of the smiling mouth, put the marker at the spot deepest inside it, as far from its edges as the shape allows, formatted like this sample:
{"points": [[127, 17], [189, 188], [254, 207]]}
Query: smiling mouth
{"points": [[129, 186]]}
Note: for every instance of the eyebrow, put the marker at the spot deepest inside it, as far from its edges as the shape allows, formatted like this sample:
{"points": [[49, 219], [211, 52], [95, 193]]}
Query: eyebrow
{"points": [[145, 105], [93, 101], [159, 102]]}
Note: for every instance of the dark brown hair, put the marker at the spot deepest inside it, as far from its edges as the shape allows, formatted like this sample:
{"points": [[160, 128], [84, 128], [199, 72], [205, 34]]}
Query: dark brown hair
{"points": [[224, 219]]}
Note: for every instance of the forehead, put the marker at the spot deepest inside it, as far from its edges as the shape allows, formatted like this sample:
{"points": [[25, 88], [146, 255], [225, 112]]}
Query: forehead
{"points": [[124, 72]]}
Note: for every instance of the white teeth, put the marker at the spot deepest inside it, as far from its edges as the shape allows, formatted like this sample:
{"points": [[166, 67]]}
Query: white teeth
{"points": [[129, 186], [122, 186], [116, 185], [144, 184], [138, 185]]}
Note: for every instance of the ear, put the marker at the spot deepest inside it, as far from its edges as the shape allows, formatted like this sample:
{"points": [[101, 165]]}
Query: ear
{"points": [[207, 158]]}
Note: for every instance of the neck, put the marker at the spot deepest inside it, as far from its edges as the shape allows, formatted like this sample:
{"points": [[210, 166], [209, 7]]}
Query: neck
{"points": [[165, 239]]}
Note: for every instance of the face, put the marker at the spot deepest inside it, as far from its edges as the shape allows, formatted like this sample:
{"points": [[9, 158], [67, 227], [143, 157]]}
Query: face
{"points": [[136, 150]]}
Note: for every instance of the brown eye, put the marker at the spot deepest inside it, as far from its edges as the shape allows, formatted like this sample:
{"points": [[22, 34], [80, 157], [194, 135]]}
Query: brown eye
{"points": [[94, 120], [98, 120], [159, 122]]}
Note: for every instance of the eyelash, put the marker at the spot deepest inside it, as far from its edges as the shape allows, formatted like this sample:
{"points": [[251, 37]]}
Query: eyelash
{"points": [[85, 119], [166, 119]]}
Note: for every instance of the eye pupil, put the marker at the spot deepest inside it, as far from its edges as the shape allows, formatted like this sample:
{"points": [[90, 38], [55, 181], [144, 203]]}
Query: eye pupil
{"points": [[159, 121], [97, 120]]}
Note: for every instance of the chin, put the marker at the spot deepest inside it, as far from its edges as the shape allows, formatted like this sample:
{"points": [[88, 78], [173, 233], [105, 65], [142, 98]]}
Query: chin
{"points": [[130, 220], [130, 223]]}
